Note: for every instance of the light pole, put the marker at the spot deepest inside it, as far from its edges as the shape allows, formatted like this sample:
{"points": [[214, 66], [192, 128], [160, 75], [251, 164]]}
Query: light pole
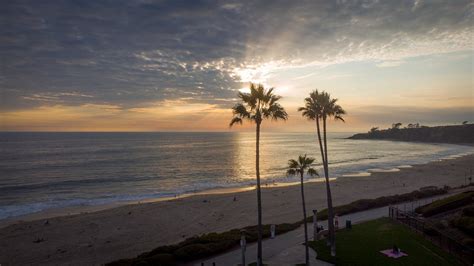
{"points": [[243, 245], [315, 225]]}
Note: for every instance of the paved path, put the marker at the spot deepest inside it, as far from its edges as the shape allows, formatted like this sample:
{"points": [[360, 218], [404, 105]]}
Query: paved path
{"points": [[287, 248]]}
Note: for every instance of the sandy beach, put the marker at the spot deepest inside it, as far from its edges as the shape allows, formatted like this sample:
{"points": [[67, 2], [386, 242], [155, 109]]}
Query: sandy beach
{"points": [[126, 231]]}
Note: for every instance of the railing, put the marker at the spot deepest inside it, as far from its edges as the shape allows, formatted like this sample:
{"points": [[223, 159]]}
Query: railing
{"points": [[437, 237]]}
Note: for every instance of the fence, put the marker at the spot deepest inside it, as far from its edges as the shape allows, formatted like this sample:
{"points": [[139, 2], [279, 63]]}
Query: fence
{"points": [[445, 242]]}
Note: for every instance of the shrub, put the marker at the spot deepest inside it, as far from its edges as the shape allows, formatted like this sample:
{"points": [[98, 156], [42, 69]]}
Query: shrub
{"points": [[468, 242], [465, 224], [430, 231], [440, 225], [159, 250], [193, 250], [468, 211], [446, 204]]}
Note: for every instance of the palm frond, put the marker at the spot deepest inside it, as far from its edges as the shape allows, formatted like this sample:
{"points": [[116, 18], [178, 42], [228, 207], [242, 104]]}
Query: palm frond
{"points": [[338, 112], [291, 172], [301, 160], [309, 160], [340, 118], [321, 105], [260, 103], [312, 172], [267, 97], [313, 108], [293, 164], [309, 114], [248, 99], [235, 120], [256, 91], [275, 112], [273, 99], [240, 111]]}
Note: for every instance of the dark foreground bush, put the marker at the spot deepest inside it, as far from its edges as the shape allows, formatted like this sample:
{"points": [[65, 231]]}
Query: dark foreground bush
{"points": [[468, 242], [207, 245], [430, 231], [446, 204], [468, 211], [465, 224]]}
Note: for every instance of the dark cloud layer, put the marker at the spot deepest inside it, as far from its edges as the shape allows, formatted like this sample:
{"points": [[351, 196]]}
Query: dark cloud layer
{"points": [[130, 53]]}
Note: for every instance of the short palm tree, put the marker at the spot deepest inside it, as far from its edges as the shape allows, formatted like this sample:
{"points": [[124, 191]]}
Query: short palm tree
{"points": [[319, 106], [299, 167], [256, 106]]}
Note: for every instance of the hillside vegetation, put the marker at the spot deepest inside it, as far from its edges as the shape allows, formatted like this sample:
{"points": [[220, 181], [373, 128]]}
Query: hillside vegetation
{"points": [[442, 134], [446, 204]]}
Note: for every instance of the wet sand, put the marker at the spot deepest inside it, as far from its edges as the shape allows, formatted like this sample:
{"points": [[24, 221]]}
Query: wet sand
{"points": [[126, 231]]}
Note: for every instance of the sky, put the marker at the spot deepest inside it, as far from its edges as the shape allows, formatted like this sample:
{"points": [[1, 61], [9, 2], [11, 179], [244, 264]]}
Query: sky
{"points": [[143, 65]]}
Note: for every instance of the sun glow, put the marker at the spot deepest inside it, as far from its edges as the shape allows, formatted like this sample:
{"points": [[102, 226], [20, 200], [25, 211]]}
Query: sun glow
{"points": [[245, 89], [258, 73]]}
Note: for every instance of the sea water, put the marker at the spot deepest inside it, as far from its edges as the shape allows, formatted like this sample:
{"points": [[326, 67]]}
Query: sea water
{"points": [[40, 171]]}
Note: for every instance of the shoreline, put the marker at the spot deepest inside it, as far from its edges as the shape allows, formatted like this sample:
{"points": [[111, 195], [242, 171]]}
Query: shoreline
{"points": [[88, 208], [83, 209], [126, 231]]}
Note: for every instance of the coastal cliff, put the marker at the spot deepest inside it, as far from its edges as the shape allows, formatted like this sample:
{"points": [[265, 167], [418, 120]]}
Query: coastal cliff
{"points": [[442, 134]]}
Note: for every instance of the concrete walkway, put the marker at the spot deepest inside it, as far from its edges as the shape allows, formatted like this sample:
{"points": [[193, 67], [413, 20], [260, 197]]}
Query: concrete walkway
{"points": [[288, 249]]}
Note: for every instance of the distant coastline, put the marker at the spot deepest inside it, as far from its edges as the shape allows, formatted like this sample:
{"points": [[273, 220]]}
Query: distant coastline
{"points": [[458, 134]]}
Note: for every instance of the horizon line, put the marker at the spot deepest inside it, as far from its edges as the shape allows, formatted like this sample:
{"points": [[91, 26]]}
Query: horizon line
{"points": [[198, 131]]}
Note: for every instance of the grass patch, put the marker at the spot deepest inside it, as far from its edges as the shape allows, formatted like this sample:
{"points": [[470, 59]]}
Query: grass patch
{"points": [[446, 204], [207, 245], [361, 246]]}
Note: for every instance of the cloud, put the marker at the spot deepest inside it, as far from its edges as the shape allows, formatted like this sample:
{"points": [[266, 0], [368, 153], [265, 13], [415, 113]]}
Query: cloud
{"points": [[133, 53], [164, 115], [391, 63]]}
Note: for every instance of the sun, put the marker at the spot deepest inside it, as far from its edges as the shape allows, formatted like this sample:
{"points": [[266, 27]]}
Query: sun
{"points": [[245, 89], [263, 73]]}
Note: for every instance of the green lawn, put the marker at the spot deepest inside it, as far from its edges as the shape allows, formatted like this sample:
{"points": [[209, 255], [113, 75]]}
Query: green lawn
{"points": [[361, 246]]}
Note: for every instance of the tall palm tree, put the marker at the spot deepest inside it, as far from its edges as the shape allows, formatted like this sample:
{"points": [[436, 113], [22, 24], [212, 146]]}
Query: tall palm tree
{"points": [[298, 167], [256, 106], [319, 106]]}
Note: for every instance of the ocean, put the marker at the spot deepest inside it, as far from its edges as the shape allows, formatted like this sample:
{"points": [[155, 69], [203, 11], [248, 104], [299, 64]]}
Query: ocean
{"points": [[42, 171]]}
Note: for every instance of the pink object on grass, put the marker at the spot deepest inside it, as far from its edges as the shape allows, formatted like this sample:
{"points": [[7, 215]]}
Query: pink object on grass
{"points": [[391, 254]]}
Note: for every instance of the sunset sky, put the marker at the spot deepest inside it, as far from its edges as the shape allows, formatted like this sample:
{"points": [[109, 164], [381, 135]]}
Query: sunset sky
{"points": [[142, 65]]}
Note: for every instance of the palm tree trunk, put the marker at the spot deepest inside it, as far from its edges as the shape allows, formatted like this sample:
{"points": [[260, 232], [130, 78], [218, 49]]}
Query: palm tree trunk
{"points": [[328, 188], [320, 144], [259, 197], [325, 147], [332, 233], [305, 225]]}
